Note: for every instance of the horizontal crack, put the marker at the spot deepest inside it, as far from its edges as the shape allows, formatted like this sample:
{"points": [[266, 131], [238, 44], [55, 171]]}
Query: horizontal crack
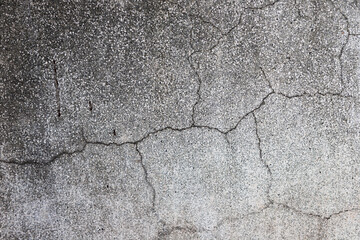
{"points": [[163, 234], [263, 6], [314, 94], [86, 142], [316, 215]]}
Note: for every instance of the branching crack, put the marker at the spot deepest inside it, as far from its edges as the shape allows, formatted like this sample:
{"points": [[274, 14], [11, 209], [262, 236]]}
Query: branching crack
{"points": [[85, 142], [343, 46], [266, 79]]}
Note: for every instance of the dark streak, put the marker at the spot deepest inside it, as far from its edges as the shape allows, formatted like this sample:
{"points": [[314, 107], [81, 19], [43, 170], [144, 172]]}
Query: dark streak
{"points": [[90, 106], [114, 132], [146, 176], [57, 95]]}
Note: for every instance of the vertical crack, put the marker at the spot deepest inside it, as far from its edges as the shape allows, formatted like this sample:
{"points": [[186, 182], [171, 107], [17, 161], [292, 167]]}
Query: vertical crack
{"points": [[343, 46], [267, 80], [342, 51], [197, 90], [262, 159], [57, 94], [321, 233], [146, 176], [90, 106]]}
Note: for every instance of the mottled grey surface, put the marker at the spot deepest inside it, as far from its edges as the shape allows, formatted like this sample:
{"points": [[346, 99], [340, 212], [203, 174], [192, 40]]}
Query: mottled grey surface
{"points": [[185, 119]]}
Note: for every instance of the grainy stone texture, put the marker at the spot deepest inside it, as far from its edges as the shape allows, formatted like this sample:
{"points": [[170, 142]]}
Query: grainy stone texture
{"points": [[220, 119]]}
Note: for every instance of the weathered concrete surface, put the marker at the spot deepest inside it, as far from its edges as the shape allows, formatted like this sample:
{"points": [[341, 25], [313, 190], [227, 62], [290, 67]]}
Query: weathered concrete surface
{"points": [[98, 193], [183, 119], [208, 178]]}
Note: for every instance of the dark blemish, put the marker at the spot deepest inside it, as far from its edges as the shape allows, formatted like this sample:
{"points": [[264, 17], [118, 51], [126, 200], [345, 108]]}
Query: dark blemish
{"points": [[114, 132], [57, 94], [107, 186], [90, 106]]}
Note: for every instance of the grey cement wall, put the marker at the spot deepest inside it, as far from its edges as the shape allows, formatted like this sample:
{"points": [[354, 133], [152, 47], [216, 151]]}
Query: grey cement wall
{"points": [[180, 119]]}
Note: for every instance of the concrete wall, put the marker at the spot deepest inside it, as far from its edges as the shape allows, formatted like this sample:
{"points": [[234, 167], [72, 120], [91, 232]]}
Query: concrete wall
{"points": [[160, 119]]}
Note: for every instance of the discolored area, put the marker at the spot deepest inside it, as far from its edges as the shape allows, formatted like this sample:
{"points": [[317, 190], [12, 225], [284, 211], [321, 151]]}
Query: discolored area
{"points": [[98, 193], [311, 147], [113, 71]]}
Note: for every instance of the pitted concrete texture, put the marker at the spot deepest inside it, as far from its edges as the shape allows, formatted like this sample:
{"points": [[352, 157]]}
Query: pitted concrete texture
{"points": [[219, 119]]}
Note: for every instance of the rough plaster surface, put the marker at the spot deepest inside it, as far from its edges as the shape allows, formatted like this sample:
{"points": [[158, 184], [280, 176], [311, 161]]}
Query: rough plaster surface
{"points": [[180, 119]]}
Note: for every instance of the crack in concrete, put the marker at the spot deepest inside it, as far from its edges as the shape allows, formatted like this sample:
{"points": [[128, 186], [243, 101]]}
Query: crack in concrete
{"points": [[197, 91], [266, 79], [234, 219], [266, 165], [146, 177], [342, 51], [218, 40], [163, 234], [263, 6], [52, 159], [57, 93], [85, 142], [343, 46], [322, 217], [304, 94], [262, 103], [315, 94]]}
